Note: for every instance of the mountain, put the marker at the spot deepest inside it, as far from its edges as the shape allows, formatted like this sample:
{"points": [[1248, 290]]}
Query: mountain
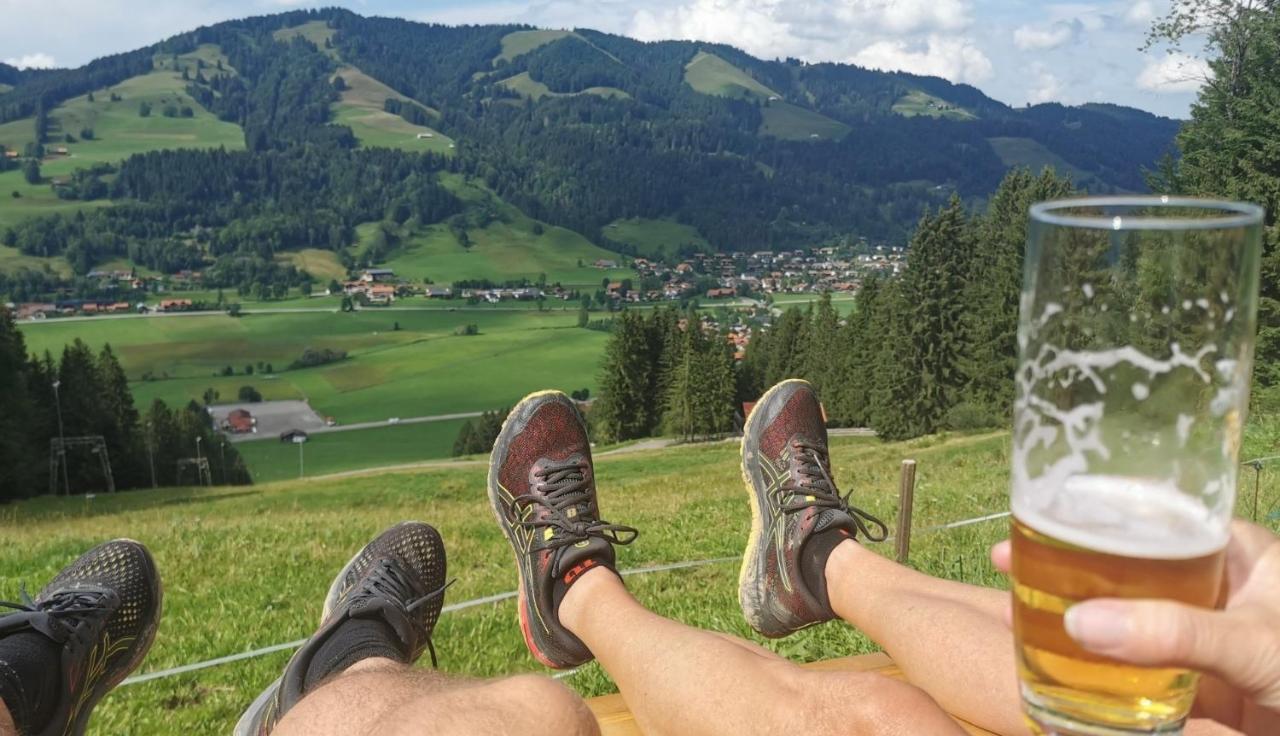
{"points": [[578, 129]]}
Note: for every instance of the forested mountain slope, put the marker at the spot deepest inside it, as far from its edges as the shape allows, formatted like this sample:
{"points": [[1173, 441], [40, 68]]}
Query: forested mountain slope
{"points": [[578, 129]]}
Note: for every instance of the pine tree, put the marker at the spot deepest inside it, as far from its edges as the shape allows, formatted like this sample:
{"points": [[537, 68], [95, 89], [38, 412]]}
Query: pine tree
{"points": [[119, 421], [786, 347], [821, 353], [624, 407], [848, 401], [18, 448], [682, 404]]}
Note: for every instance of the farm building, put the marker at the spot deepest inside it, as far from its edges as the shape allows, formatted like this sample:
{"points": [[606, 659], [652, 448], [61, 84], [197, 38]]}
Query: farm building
{"points": [[293, 435], [426, 135], [175, 305], [381, 294], [239, 421], [377, 275]]}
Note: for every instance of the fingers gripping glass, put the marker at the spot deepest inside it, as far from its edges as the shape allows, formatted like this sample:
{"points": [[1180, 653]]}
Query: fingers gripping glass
{"points": [[1135, 352]]}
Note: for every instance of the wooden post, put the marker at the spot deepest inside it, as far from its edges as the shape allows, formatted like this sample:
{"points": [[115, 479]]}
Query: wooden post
{"points": [[906, 499]]}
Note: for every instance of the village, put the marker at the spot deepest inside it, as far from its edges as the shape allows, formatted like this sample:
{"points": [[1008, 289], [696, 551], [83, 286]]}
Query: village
{"points": [[703, 276]]}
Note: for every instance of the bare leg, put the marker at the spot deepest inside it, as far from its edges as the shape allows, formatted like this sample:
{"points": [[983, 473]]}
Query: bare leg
{"points": [[681, 680], [383, 697], [7, 727], [949, 638]]}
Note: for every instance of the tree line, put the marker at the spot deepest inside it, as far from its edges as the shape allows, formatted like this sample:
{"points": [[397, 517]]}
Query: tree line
{"points": [[91, 394]]}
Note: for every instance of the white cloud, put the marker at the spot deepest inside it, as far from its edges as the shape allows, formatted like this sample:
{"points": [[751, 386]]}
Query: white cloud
{"points": [[1141, 13], [1029, 37], [1174, 73], [1047, 86], [954, 58], [38, 60]]}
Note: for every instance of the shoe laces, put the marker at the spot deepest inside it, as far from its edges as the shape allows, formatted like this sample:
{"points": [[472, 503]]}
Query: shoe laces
{"points": [[562, 487], [390, 581], [812, 487], [63, 612]]}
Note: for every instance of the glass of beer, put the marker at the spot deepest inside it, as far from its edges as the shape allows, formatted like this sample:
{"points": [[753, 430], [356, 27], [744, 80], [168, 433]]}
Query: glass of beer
{"points": [[1135, 352]]}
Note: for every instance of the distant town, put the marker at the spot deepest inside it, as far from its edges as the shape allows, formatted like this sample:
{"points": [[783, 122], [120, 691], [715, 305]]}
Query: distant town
{"points": [[702, 276]]}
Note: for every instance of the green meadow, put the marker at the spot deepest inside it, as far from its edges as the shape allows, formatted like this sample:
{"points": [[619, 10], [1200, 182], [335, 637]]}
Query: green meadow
{"points": [[519, 43], [248, 567], [916, 102], [711, 75], [656, 238]]}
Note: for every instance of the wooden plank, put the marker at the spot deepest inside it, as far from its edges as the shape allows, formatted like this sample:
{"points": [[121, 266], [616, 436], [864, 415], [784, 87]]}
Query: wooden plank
{"points": [[615, 718]]}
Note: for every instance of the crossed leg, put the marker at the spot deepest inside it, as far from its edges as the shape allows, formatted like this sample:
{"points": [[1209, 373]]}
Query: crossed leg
{"points": [[384, 697]]}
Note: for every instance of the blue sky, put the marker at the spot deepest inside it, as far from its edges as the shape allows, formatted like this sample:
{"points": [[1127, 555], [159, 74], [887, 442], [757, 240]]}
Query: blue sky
{"points": [[1017, 51]]}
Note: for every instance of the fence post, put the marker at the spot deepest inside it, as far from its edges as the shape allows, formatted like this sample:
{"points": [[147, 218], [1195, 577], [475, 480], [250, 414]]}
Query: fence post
{"points": [[906, 500]]}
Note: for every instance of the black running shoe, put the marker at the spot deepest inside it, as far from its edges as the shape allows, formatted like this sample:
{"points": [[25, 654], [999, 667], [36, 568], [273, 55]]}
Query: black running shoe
{"points": [[103, 611], [797, 514], [398, 579], [542, 489]]}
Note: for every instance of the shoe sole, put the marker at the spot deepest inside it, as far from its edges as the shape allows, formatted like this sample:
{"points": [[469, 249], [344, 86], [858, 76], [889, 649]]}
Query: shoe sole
{"points": [[140, 647], [495, 504], [751, 597]]}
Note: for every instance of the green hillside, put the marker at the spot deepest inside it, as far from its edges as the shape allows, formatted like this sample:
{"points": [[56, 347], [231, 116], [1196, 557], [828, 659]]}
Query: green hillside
{"points": [[317, 32], [361, 107], [711, 75], [119, 131], [520, 43], [1033, 155], [262, 557], [922, 103], [791, 122], [655, 238], [527, 86]]}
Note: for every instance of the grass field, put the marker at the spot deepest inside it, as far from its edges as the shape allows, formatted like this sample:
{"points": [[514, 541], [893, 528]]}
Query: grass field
{"points": [[506, 248], [11, 259], [1032, 154], [527, 86], [323, 264], [336, 452], [916, 102], [843, 303], [315, 31], [656, 238], [247, 567], [791, 122], [361, 107], [711, 75], [119, 132], [519, 43], [422, 369]]}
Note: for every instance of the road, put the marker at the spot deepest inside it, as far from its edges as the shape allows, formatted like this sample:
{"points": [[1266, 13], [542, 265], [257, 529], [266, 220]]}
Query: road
{"points": [[358, 425]]}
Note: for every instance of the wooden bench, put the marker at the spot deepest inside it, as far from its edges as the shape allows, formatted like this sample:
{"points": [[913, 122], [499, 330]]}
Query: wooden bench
{"points": [[616, 720]]}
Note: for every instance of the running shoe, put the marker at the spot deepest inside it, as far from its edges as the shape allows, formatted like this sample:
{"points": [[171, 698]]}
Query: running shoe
{"points": [[542, 490], [397, 579], [103, 611], [797, 514]]}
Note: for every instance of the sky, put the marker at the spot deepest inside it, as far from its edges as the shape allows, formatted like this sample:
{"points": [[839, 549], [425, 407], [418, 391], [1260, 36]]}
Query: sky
{"points": [[1017, 51]]}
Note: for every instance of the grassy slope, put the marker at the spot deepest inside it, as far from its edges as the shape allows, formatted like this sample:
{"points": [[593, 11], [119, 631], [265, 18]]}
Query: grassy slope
{"points": [[527, 86], [118, 133], [790, 122], [341, 451], [246, 568], [656, 237], [1032, 154], [519, 43], [323, 264], [505, 249], [917, 103], [711, 75], [361, 108], [315, 31]]}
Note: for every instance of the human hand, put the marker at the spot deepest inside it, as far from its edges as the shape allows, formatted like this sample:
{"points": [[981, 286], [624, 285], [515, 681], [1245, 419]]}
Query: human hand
{"points": [[1238, 646]]}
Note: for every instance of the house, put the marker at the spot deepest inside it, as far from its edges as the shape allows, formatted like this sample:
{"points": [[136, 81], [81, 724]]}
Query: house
{"points": [[436, 292], [426, 135], [175, 305], [602, 263], [381, 294], [60, 150], [720, 293], [377, 275], [239, 421], [685, 267], [36, 310], [10, 154]]}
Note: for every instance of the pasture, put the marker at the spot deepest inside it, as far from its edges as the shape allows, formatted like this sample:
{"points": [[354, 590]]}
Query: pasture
{"points": [[519, 43], [794, 123], [917, 102], [527, 86], [656, 238], [247, 567], [360, 107], [711, 75]]}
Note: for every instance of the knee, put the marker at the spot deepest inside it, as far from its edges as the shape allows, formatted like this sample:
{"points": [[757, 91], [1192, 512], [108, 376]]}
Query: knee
{"points": [[867, 703], [561, 710]]}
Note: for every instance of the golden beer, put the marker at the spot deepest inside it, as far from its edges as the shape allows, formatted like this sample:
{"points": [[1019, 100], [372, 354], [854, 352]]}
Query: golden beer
{"points": [[1170, 554]]}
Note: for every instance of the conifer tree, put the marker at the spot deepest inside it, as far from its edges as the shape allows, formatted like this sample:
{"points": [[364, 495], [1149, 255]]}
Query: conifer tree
{"points": [[625, 408]]}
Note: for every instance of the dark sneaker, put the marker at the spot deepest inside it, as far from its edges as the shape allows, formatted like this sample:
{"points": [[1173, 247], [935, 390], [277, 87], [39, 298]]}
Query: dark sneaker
{"points": [[797, 514], [397, 579], [102, 610], [542, 489]]}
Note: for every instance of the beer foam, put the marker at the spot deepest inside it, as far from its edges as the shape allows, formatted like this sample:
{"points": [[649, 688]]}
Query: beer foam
{"points": [[1127, 516]]}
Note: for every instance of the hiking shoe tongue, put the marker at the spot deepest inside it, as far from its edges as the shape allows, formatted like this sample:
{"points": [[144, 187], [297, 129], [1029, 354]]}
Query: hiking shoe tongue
{"points": [[542, 491]]}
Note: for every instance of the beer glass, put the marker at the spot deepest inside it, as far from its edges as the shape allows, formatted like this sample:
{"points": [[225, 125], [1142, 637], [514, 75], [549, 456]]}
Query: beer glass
{"points": [[1135, 351]]}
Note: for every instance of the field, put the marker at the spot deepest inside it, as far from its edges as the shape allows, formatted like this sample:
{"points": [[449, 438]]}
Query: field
{"points": [[656, 238], [337, 452], [315, 31], [506, 248], [790, 122], [246, 567], [522, 42], [711, 75], [361, 107], [323, 264], [1030, 153], [527, 86], [119, 132], [922, 103], [843, 303]]}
